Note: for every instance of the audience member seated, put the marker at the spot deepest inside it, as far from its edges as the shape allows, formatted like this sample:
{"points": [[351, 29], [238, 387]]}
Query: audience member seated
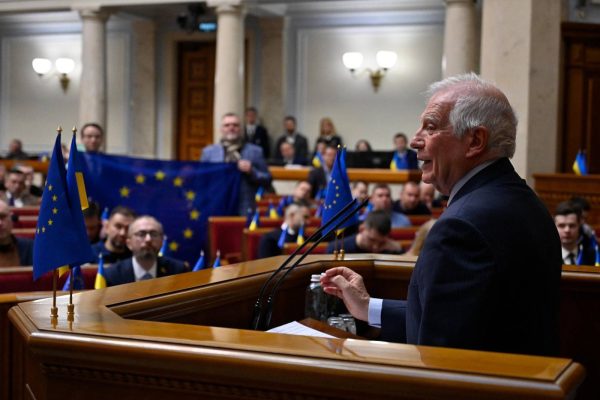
{"points": [[410, 201], [403, 157], [328, 134], [319, 176], [576, 248], [248, 156], [114, 248], [381, 200], [420, 236], [301, 194], [363, 146], [271, 244], [144, 239], [255, 133], [15, 150], [288, 154], [294, 138], [428, 196], [92, 137], [373, 237], [16, 193], [584, 208], [28, 171], [14, 251], [91, 219], [360, 190]]}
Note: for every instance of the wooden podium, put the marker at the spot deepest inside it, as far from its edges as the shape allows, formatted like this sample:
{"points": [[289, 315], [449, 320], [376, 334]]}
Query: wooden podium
{"points": [[187, 337]]}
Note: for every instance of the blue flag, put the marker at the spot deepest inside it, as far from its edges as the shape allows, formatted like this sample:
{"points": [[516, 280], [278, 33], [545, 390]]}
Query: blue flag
{"points": [[59, 240], [200, 264], [77, 277], [164, 249], [580, 164], [105, 215], [281, 240], [180, 194], [338, 192], [217, 262]]}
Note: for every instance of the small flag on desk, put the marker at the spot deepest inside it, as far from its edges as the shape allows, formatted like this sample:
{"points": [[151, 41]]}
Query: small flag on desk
{"points": [[77, 277], [200, 264], [255, 221], [60, 237], [259, 193], [217, 262], [300, 238], [100, 282], [281, 241], [272, 211], [580, 164], [164, 248], [317, 160]]}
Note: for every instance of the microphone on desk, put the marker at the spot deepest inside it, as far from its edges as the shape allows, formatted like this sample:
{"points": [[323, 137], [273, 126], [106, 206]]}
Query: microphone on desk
{"points": [[258, 305], [345, 216]]}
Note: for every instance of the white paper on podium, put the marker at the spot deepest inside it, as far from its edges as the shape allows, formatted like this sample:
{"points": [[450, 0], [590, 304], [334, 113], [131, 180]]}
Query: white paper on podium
{"points": [[296, 328]]}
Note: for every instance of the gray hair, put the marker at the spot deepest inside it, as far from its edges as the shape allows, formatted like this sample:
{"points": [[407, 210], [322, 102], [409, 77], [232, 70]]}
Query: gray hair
{"points": [[481, 104]]}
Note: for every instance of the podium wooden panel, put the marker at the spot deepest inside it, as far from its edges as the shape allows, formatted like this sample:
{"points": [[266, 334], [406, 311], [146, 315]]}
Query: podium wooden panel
{"points": [[186, 337]]}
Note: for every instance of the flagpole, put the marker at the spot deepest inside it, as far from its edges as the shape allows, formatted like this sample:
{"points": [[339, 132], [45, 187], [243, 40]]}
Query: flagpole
{"points": [[71, 306], [342, 253], [54, 309]]}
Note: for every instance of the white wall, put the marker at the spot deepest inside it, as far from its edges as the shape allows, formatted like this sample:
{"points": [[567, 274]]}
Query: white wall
{"points": [[31, 107], [326, 88]]}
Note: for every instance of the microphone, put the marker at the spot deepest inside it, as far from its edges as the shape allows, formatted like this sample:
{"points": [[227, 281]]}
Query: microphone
{"points": [[258, 305], [270, 300]]}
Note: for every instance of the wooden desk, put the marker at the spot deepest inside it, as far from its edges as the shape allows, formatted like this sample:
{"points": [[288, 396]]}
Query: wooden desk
{"points": [[184, 337], [370, 175]]}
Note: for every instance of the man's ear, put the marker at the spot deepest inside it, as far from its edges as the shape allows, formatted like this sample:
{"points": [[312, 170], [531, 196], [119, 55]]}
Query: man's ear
{"points": [[477, 138]]}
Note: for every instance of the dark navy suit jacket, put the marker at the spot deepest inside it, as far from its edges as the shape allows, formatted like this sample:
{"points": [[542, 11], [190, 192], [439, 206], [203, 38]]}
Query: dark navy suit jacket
{"points": [[122, 271], [488, 275]]}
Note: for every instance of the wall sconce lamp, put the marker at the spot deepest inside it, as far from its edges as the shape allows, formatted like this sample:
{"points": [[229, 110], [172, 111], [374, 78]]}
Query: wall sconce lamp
{"points": [[385, 60], [64, 66]]}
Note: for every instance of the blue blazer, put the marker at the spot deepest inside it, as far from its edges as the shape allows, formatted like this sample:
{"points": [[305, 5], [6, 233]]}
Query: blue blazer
{"points": [[259, 176], [122, 271], [488, 275]]}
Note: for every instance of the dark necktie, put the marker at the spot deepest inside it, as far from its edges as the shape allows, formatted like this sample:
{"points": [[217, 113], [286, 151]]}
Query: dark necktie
{"points": [[146, 276], [11, 201], [571, 258]]}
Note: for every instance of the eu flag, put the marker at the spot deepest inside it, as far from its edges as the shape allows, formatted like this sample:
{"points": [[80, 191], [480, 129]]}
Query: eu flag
{"points": [[338, 192], [58, 238], [180, 194]]}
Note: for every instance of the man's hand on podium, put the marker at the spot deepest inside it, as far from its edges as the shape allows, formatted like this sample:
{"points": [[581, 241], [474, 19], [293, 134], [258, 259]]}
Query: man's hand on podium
{"points": [[348, 286]]}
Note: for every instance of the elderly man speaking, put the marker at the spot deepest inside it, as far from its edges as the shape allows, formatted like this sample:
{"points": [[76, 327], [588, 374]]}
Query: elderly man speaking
{"points": [[488, 275]]}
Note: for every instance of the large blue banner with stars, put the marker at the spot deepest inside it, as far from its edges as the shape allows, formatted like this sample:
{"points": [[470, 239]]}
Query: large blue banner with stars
{"points": [[181, 195]]}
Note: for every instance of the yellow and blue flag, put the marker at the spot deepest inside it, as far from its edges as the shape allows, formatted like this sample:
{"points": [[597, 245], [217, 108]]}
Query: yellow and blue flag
{"points": [[398, 162], [60, 237], [200, 264], [180, 194], [338, 192], [317, 160], [273, 214], [259, 193], [255, 221], [300, 238], [282, 235], [164, 248], [100, 282], [580, 164], [77, 277]]}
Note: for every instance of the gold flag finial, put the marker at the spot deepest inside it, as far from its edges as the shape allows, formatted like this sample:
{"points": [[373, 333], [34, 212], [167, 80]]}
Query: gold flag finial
{"points": [[59, 130], [74, 130]]}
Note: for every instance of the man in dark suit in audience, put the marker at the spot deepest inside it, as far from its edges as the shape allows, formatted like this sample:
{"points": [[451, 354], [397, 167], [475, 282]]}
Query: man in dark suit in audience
{"points": [[294, 138], [403, 157], [255, 133], [410, 201], [576, 247], [14, 251], [296, 215], [248, 157], [114, 248], [488, 275], [319, 177], [145, 238], [373, 237], [16, 193]]}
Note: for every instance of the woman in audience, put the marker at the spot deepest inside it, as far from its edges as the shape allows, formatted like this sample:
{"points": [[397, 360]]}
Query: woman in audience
{"points": [[328, 134], [363, 146], [420, 237]]}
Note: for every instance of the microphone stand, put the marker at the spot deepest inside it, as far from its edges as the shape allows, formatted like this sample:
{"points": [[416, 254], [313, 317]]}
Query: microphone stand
{"points": [[258, 305], [270, 300]]}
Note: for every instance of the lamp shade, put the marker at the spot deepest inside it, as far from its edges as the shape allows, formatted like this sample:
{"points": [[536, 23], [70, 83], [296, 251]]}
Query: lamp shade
{"points": [[352, 60], [41, 65], [386, 59], [64, 65]]}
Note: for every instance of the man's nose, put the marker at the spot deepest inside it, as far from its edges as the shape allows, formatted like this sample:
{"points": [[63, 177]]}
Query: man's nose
{"points": [[417, 141]]}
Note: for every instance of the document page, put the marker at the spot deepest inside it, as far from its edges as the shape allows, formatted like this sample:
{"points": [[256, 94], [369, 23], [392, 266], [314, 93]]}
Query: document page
{"points": [[296, 328]]}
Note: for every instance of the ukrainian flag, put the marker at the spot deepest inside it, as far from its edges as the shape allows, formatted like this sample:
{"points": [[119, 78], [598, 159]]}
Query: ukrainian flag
{"points": [[580, 164], [259, 193], [317, 160], [273, 214], [100, 282], [200, 263], [254, 223], [217, 262], [300, 239]]}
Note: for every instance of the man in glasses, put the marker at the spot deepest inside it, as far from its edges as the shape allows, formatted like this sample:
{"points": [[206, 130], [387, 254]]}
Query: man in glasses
{"points": [[144, 239]]}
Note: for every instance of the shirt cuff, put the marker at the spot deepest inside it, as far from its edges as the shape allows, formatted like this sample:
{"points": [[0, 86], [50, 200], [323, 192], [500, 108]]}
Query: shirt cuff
{"points": [[375, 306]]}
